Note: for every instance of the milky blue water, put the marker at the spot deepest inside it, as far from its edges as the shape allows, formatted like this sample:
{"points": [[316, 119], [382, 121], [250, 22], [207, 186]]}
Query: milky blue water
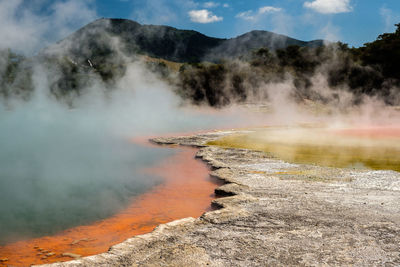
{"points": [[43, 191]]}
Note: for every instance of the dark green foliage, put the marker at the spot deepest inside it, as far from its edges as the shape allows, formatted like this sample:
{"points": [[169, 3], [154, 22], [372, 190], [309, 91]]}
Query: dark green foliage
{"points": [[241, 46], [238, 87], [370, 70], [97, 40], [159, 68], [384, 53], [263, 57], [100, 39], [69, 78], [15, 75], [301, 59], [204, 83], [102, 42], [238, 68]]}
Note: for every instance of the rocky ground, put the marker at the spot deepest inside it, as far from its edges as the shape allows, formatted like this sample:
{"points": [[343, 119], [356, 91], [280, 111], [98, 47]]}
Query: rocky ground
{"points": [[274, 213]]}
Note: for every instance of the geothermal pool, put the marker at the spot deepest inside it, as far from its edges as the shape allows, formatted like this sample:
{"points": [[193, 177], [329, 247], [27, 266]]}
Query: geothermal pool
{"points": [[180, 177], [72, 181], [165, 178], [35, 201], [70, 176], [364, 147]]}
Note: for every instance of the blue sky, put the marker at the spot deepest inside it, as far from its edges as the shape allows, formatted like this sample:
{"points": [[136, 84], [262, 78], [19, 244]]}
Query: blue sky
{"points": [[29, 25], [351, 21]]}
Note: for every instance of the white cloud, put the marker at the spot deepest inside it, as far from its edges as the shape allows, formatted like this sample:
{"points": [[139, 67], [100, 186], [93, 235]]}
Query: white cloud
{"points": [[210, 4], [329, 6], [203, 16], [226, 5], [251, 15], [27, 27], [247, 15], [268, 9]]}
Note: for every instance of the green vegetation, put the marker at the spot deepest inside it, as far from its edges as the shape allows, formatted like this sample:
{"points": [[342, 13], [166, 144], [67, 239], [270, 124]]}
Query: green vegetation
{"points": [[383, 54], [369, 70], [15, 75], [236, 70]]}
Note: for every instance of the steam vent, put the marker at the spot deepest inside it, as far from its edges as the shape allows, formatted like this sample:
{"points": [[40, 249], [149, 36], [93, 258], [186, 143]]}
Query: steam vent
{"points": [[200, 133]]}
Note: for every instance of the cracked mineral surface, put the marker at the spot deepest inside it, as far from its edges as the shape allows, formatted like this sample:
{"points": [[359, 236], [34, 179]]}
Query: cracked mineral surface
{"points": [[274, 213]]}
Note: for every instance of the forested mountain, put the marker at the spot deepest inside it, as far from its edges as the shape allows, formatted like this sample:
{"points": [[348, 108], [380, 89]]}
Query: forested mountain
{"points": [[95, 40], [207, 70]]}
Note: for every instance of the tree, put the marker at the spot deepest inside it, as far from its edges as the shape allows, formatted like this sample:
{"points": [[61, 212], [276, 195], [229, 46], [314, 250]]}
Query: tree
{"points": [[384, 53]]}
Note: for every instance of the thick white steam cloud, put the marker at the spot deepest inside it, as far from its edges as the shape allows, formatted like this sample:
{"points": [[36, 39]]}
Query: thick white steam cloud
{"points": [[63, 166], [27, 26]]}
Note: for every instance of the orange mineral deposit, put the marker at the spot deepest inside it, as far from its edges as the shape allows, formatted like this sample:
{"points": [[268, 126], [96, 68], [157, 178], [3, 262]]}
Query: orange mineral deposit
{"points": [[187, 191]]}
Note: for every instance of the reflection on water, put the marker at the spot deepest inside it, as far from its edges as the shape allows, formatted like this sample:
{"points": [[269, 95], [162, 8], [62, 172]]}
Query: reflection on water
{"points": [[374, 148]]}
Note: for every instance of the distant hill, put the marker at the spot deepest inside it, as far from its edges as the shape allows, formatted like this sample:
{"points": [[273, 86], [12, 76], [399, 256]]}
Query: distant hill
{"points": [[254, 40], [98, 40], [91, 55]]}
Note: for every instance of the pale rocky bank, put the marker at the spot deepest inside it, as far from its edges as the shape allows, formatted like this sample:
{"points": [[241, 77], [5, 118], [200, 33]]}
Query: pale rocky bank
{"points": [[274, 213]]}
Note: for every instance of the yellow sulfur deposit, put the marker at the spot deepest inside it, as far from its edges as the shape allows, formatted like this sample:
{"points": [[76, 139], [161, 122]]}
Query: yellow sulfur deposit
{"points": [[325, 147]]}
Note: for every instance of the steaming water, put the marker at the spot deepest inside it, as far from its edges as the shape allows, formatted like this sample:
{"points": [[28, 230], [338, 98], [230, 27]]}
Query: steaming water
{"points": [[69, 188], [60, 168], [63, 167]]}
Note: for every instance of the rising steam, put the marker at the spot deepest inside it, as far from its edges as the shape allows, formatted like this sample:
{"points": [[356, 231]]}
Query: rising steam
{"points": [[67, 160], [64, 166]]}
